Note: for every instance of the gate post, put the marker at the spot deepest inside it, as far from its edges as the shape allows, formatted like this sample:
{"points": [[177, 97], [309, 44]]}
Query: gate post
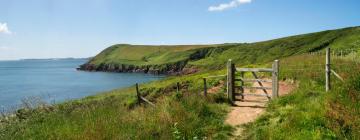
{"points": [[205, 87], [230, 81], [242, 75], [327, 70], [138, 93], [275, 79]]}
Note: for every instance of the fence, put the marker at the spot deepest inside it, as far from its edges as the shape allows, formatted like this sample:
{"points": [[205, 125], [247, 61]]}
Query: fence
{"points": [[209, 77], [234, 90], [328, 71], [140, 98], [339, 53], [328, 65]]}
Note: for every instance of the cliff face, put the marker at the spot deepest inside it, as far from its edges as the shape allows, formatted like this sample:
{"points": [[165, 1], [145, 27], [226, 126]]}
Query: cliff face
{"points": [[172, 68]]}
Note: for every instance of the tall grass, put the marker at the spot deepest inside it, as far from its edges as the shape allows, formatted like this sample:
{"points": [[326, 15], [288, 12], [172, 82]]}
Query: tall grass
{"points": [[310, 112], [343, 109]]}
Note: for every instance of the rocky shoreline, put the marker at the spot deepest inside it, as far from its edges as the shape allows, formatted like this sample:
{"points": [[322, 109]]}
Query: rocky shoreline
{"points": [[177, 68]]}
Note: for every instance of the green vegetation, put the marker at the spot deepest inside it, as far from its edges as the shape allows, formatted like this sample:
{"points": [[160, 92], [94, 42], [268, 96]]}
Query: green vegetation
{"points": [[191, 117], [145, 55], [307, 113]]}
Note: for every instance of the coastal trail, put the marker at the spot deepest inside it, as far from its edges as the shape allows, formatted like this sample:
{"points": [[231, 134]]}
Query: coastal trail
{"points": [[249, 109]]}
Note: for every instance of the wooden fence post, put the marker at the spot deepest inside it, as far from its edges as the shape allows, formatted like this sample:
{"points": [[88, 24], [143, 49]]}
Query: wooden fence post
{"points": [[327, 70], [205, 87], [138, 93], [177, 87], [230, 81], [341, 53], [275, 79], [353, 54]]}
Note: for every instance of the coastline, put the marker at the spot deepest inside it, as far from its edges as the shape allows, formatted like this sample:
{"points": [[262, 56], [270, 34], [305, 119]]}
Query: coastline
{"points": [[57, 81], [178, 68]]}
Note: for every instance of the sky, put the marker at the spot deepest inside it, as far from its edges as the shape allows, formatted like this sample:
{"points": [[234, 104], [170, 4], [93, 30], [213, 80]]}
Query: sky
{"points": [[82, 28]]}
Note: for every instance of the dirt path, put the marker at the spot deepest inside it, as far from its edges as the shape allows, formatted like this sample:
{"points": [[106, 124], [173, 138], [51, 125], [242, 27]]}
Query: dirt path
{"points": [[216, 89], [252, 106]]}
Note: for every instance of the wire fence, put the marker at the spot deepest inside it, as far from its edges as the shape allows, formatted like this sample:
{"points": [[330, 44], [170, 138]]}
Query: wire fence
{"points": [[342, 63]]}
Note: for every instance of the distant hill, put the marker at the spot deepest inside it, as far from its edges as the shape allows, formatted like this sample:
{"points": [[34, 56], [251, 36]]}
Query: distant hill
{"points": [[174, 59], [49, 59]]}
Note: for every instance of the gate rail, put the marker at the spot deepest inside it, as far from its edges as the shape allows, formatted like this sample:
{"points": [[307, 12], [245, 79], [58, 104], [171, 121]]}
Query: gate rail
{"points": [[231, 79]]}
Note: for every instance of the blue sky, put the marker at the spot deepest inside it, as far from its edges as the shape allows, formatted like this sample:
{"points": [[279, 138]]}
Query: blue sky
{"points": [[82, 28]]}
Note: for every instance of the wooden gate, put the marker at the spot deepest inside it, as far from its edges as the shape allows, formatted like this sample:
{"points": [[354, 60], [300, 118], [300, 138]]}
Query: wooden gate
{"points": [[236, 81]]}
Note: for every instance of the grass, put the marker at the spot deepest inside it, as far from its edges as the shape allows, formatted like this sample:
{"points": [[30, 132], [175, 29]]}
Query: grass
{"points": [[191, 118], [343, 110], [145, 55], [267, 51], [310, 112]]}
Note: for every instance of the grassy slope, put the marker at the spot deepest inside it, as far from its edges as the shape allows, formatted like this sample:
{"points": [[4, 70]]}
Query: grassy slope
{"points": [[261, 52], [309, 112], [145, 55], [217, 55], [114, 114]]}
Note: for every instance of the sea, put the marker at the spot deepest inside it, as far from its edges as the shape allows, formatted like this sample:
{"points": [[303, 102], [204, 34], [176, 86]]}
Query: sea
{"points": [[56, 81]]}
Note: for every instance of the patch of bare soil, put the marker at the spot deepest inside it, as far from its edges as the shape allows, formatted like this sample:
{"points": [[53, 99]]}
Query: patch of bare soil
{"points": [[216, 89], [251, 107]]}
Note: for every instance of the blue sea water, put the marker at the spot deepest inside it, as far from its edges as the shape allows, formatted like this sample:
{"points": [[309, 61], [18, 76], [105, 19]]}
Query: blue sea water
{"points": [[57, 80]]}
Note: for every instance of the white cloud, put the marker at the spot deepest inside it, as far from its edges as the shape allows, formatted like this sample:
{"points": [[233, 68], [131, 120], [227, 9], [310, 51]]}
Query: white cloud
{"points": [[232, 4], [4, 28]]}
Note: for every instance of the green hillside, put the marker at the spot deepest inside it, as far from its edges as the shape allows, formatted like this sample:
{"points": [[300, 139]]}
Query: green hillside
{"points": [[266, 51], [159, 59], [175, 58], [145, 55], [306, 113]]}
